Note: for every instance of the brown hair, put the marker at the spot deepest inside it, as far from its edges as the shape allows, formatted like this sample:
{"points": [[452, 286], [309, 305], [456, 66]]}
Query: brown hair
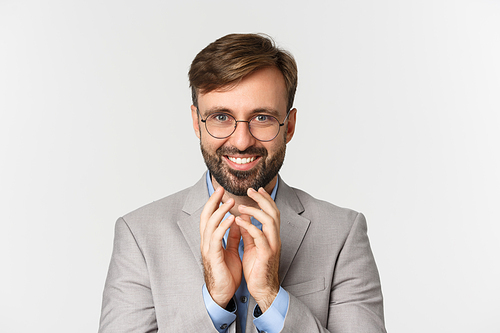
{"points": [[229, 59]]}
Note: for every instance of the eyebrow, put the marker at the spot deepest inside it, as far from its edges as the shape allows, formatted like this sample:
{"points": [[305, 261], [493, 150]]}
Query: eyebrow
{"points": [[271, 112], [216, 109]]}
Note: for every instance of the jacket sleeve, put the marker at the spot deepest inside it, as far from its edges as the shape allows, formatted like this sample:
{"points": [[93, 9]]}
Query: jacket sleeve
{"points": [[355, 295], [127, 304]]}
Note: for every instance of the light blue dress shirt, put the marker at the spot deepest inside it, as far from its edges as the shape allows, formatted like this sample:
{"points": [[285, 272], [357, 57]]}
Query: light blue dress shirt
{"points": [[270, 321]]}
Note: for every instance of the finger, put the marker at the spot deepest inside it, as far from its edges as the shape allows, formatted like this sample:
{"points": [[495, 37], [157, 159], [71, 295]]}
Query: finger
{"points": [[210, 207], [256, 213], [252, 236], [233, 238], [265, 202], [248, 242], [270, 227], [214, 221], [259, 215], [247, 238], [218, 234]]}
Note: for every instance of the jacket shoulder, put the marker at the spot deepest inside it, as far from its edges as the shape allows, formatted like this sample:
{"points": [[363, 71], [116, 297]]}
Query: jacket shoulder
{"points": [[325, 213], [167, 208]]}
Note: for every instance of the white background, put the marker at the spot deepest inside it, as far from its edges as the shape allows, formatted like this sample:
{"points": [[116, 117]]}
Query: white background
{"points": [[398, 118]]}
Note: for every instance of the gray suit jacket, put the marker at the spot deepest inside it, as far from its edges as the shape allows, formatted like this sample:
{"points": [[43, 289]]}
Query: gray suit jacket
{"points": [[155, 277]]}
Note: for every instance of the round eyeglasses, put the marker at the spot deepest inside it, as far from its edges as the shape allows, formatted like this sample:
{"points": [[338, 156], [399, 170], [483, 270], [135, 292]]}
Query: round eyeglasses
{"points": [[262, 127]]}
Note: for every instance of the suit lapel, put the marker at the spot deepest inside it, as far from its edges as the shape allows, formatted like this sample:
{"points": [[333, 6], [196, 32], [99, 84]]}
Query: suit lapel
{"points": [[293, 226], [190, 224]]}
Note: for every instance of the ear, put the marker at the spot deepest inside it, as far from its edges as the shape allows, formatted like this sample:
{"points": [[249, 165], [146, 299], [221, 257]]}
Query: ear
{"points": [[290, 126], [196, 122]]}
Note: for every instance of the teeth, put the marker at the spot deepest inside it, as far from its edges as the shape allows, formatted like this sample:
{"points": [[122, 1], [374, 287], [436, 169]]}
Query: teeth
{"points": [[240, 160]]}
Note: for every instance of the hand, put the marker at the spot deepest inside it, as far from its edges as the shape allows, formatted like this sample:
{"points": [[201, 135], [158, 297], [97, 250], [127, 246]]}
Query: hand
{"points": [[262, 248], [222, 267]]}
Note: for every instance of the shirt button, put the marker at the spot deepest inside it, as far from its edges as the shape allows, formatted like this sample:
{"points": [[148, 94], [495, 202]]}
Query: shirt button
{"points": [[223, 326], [243, 299]]}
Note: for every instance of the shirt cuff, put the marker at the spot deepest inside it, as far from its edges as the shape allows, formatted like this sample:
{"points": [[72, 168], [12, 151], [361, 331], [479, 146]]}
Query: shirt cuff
{"points": [[273, 319], [221, 318]]}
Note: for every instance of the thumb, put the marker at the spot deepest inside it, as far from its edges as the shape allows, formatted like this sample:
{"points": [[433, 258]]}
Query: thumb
{"points": [[233, 238]]}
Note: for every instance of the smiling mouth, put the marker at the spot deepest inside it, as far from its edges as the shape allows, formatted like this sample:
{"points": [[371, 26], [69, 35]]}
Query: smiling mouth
{"points": [[239, 160]]}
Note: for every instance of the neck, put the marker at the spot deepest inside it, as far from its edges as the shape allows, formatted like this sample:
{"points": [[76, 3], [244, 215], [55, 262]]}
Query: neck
{"points": [[243, 200]]}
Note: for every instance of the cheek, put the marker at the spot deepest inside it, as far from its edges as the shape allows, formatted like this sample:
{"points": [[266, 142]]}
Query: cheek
{"points": [[275, 145], [271, 151], [209, 143]]}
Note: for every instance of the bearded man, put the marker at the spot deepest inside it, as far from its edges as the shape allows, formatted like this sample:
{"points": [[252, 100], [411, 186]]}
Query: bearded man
{"points": [[241, 251]]}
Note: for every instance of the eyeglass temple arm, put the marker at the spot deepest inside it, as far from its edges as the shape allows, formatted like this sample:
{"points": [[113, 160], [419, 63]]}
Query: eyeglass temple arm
{"points": [[287, 114], [199, 114]]}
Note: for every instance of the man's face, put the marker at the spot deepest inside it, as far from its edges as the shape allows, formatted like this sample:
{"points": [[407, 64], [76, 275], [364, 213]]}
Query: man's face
{"points": [[240, 161]]}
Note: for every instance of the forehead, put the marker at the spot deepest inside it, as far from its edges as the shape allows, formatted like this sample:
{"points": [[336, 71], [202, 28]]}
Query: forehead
{"points": [[263, 89]]}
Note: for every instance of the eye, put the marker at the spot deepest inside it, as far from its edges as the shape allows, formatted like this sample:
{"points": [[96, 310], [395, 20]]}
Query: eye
{"points": [[220, 117], [261, 118]]}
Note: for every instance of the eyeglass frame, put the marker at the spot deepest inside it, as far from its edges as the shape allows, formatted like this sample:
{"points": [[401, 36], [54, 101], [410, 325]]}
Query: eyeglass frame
{"points": [[243, 121]]}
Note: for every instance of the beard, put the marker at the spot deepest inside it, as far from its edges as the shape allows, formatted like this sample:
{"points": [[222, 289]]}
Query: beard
{"points": [[238, 182]]}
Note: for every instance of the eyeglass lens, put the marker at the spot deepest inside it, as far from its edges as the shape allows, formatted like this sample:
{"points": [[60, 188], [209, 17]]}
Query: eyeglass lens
{"points": [[262, 127]]}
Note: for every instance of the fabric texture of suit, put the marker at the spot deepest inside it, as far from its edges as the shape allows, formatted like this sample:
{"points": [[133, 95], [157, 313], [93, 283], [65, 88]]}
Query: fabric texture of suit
{"points": [[155, 277]]}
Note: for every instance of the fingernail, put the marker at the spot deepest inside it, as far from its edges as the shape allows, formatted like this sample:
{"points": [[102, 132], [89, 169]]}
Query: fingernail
{"points": [[252, 190], [243, 206]]}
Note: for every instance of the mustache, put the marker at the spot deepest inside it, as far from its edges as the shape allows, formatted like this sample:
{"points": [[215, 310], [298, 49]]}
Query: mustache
{"points": [[259, 151]]}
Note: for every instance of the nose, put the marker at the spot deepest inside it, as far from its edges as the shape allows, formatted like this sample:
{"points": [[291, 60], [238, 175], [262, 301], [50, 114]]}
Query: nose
{"points": [[241, 137]]}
